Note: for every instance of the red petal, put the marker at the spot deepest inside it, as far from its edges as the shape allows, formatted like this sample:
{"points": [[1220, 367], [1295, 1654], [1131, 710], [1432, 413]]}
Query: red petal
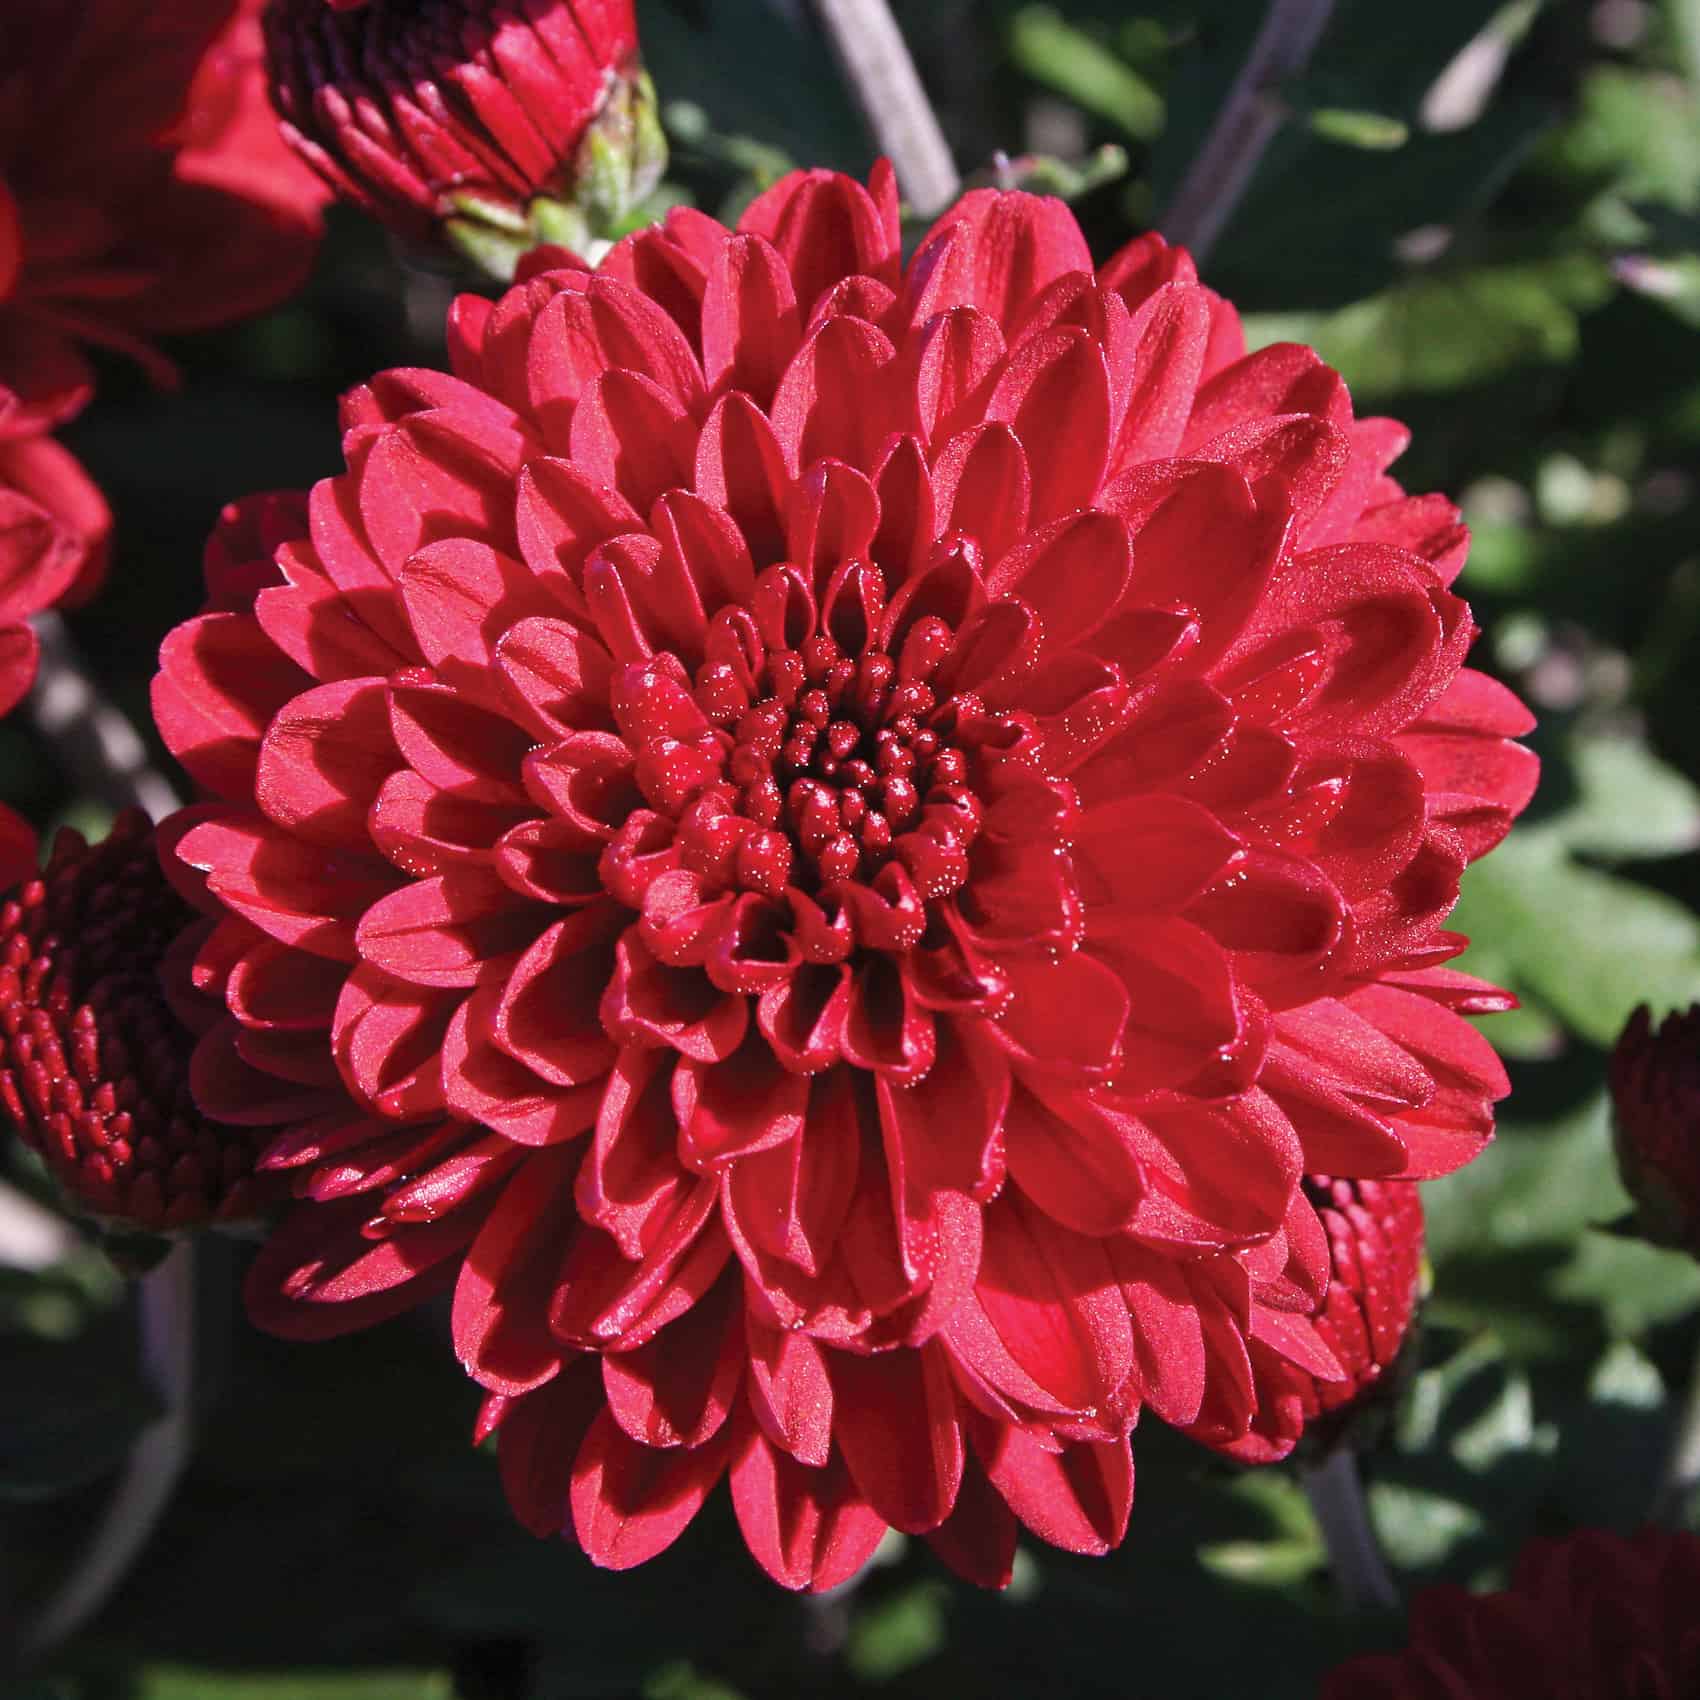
{"points": [[807, 1528], [897, 1421], [631, 1502], [1078, 1499]]}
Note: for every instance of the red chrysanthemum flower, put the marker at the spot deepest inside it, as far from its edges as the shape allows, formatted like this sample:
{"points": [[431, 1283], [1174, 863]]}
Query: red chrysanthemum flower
{"points": [[1591, 1617], [94, 1054], [853, 832], [54, 531], [498, 126], [1655, 1088], [1374, 1231], [144, 190]]}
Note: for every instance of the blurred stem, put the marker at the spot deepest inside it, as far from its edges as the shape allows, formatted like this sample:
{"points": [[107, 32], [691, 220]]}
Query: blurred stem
{"points": [[1249, 118], [888, 89], [94, 740], [1681, 1476], [1336, 1497], [166, 1304]]}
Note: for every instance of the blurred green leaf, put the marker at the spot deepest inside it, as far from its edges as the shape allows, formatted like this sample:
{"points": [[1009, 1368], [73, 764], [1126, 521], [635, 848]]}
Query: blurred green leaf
{"points": [[900, 1631], [1053, 52], [1533, 1185], [1373, 131], [685, 1682], [1641, 131], [1446, 329], [185, 1682], [1420, 1527], [1589, 945], [1635, 1286], [1628, 802]]}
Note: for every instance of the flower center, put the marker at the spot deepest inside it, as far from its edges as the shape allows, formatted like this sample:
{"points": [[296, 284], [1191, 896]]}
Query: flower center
{"points": [[848, 764]]}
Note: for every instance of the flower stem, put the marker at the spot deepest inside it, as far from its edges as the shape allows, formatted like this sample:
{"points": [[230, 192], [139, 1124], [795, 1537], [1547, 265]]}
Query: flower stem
{"points": [[92, 736], [1354, 1555], [1222, 170], [1681, 1476], [888, 89], [166, 1303]]}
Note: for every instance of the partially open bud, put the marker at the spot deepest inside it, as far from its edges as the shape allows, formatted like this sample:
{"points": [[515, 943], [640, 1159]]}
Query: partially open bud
{"points": [[94, 1064], [1655, 1089], [1327, 1380], [494, 124], [1375, 1254]]}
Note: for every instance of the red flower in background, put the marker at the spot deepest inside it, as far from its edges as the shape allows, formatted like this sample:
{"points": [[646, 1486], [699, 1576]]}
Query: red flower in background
{"points": [[54, 530], [1589, 1617], [143, 190], [1655, 1088], [459, 114], [852, 833], [1374, 1231]]}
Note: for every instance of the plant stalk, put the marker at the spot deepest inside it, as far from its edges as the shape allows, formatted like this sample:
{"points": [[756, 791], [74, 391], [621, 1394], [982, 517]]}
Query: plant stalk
{"points": [[1336, 1497], [887, 87], [1222, 170], [166, 1303], [92, 736]]}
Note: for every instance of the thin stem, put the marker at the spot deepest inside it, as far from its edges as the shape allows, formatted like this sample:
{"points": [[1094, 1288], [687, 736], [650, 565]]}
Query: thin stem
{"points": [[1354, 1555], [1250, 116], [167, 1321], [888, 89], [97, 744], [1681, 1476]]}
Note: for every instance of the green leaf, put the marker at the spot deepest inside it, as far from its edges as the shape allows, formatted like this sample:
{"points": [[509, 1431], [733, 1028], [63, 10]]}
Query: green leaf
{"points": [[899, 1632], [1421, 1527], [1053, 52], [685, 1682], [186, 1682], [1535, 1185], [1373, 131], [1634, 1286], [1640, 131], [1628, 802], [1447, 329], [1589, 945]]}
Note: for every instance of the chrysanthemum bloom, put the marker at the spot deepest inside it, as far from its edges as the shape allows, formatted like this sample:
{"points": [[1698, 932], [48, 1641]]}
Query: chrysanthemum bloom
{"points": [[1375, 1270], [54, 531], [143, 190], [94, 1055], [496, 126], [1655, 1088], [853, 833], [1591, 1617]]}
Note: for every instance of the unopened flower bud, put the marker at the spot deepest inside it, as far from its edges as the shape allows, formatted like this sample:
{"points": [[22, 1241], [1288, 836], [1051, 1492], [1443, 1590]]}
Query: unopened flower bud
{"points": [[1655, 1088], [94, 1064], [1375, 1255], [494, 126]]}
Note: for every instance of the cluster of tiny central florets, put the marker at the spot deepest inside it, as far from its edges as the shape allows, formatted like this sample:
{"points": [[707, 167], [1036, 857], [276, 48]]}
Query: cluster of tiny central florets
{"points": [[835, 758]]}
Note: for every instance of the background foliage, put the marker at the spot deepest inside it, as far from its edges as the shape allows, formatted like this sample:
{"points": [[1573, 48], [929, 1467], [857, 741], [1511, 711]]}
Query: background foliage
{"points": [[1489, 219]]}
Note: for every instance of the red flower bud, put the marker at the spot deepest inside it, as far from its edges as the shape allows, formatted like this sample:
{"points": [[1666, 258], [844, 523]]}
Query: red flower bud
{"points": [[1655, 1088], [1375, 1253], [1327, 1395], [500, 125], [94, 1064]]}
